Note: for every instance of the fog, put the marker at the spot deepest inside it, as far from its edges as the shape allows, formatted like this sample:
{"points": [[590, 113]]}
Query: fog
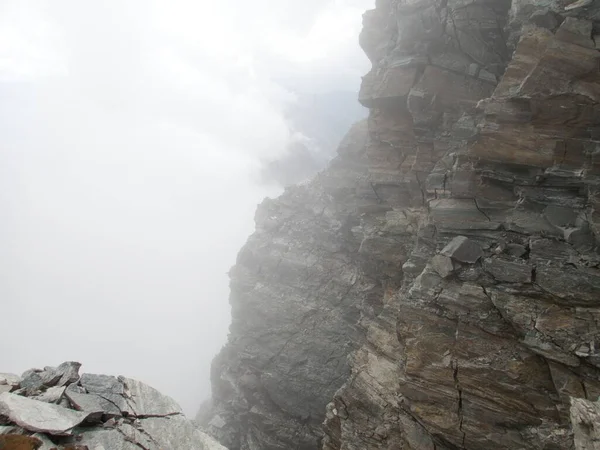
{"points": [[132, 135]]}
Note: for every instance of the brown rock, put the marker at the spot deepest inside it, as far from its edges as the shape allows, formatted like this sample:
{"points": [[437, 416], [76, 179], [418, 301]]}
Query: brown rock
{"points": [[19, 442]]}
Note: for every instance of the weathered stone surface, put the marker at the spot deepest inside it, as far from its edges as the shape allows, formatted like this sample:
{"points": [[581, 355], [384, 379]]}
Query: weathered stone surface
{"points": [[110, 389], [92, 404], [147, 401], [37, 416], [585, 417], [282, 378], [508, 271], [177, 432]]}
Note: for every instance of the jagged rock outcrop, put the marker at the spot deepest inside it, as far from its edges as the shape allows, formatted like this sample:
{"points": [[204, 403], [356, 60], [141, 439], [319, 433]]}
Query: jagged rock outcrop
{"points": [[452, 254], [56, 409]]}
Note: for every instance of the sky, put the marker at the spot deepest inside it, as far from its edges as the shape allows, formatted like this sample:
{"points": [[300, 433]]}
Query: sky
{"points": [[132, 135]]}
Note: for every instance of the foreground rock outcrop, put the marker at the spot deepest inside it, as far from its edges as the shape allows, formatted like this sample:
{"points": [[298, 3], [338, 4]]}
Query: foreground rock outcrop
{"points": [[438, 286], [56, 409]]}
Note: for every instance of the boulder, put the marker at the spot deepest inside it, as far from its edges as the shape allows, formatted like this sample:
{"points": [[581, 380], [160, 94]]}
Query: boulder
{"points": [[37, 416], [463, 250]]}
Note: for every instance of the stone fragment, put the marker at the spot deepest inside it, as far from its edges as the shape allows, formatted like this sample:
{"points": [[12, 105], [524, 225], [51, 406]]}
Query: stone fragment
{"points": [[51, 395], [38, 416], [69, 372], [35, 379], [442, 265], [463, 249]]}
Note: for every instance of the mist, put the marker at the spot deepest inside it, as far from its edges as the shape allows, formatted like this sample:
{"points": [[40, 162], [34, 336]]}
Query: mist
{"points": [[133, 137]]}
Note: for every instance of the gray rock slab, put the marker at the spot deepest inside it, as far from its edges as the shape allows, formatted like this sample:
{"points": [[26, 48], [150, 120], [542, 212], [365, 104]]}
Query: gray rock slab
{"points": [[39, 416], [51, 395], [69, 372], [93, 404], [31, 380], [463, 249], [110, 389], [147, 401], [101, 384], [575, 286], [576, 31]]}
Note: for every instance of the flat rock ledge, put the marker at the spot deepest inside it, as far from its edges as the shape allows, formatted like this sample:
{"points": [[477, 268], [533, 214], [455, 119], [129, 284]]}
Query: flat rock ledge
{"points": [[57, 409]]}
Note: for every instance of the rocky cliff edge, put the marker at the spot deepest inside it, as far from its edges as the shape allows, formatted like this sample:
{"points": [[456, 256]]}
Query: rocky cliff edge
{"points": [[438, 286]]}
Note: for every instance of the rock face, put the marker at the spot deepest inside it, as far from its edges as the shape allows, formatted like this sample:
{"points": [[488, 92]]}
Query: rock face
{"points": [[91, 412], [438, 286]]}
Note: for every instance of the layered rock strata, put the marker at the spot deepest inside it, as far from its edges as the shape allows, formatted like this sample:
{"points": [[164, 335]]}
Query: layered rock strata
{"points": [[450, 250], [56, 409]]}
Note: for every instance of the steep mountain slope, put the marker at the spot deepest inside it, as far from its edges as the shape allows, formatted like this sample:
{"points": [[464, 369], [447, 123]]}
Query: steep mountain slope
{"points": [[437, 287]]}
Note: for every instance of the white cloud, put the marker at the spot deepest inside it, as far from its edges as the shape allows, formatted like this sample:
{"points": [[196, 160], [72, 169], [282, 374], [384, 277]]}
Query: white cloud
{"points": [[132, 131]]}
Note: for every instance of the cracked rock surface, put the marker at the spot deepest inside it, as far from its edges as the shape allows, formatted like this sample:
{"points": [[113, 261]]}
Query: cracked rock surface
{"points": [[91, 412], [438, 286]]}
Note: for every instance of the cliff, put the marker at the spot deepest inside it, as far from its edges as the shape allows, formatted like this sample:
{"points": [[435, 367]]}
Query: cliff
{"points": [[57, 409], [437, 287]]}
